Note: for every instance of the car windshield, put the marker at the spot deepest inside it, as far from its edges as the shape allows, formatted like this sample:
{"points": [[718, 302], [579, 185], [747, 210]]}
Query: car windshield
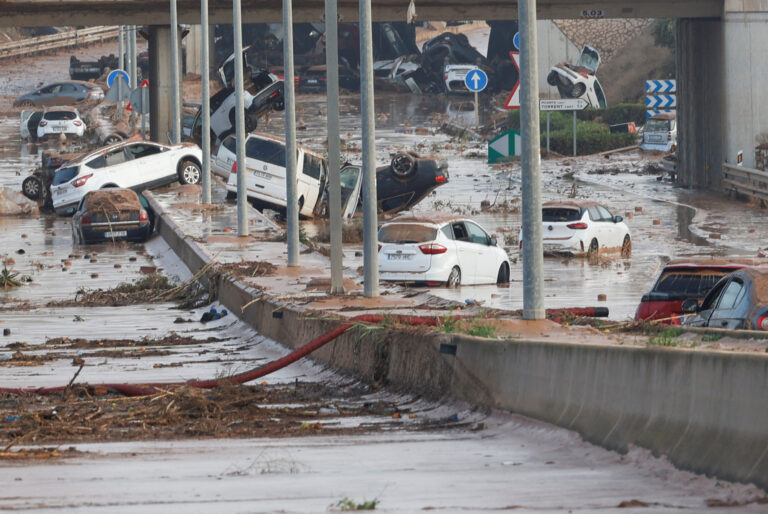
{"points": [[64, 175], [401, 233], [657, 126], [693, 283], [560, 214], [60, 115]]}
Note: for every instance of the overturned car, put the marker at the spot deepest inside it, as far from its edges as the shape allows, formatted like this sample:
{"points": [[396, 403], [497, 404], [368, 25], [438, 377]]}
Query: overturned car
{"points": [[579, 80]]}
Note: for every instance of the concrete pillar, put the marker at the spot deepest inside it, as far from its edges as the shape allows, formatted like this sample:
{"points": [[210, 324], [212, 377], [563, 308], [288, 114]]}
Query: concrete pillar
{"points": [[194, 51], [161, 108], [701, 124], [745, 74]]}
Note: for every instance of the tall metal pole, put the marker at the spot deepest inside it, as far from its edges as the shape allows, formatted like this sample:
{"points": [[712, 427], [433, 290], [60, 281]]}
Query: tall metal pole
{"points": [[242, 214], [175, 80], [370, 236], [574, 133], [120, 66], [547, 133], [132, 56], [291, 191], [334, 153], [206, 100], [533, 259]]}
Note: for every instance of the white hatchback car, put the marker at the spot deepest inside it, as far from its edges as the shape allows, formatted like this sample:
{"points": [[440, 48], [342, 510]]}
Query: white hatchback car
{"points": [[60, 120], [136, 165], [579, 80], [439, 249], [582, 228]]}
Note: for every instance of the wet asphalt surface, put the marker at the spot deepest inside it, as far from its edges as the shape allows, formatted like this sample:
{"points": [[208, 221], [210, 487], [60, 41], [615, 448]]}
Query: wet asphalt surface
{"points": [[399, 470]]}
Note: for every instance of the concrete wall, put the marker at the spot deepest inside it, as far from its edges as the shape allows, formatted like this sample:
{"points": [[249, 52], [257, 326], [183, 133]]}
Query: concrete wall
{"points": [[161, 106], [706, 411], [554, 47], [700, 104], [746, 77]]}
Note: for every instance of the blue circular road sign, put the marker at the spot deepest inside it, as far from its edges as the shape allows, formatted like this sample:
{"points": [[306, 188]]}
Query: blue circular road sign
{"points": [[476, 80], [516, 40], [113, 75]]}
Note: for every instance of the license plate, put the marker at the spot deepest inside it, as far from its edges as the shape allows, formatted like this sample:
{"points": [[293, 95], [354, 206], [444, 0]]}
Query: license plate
{"points": [[311, 81], [60, 192], [116, 233], [59, 129], [261, 174], [398, 257]]}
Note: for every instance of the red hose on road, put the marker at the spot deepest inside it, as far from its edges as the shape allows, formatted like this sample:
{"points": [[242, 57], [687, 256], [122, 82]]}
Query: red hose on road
{"points": [[247, 376]]}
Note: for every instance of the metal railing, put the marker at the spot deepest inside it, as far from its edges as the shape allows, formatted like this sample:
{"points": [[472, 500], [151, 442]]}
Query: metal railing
{"points": [[746, 181], [68, 39]]}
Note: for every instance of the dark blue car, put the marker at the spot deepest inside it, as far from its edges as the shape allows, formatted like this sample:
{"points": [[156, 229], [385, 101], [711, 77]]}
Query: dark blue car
{"points": [[737, 301]]}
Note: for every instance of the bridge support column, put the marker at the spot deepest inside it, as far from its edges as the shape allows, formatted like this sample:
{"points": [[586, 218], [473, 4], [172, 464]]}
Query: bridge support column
{"points": [[160, 90], [745, 75], [700, 105]]}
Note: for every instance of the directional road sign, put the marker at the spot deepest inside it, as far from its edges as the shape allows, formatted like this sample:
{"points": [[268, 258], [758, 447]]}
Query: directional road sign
{"points": [[120, 91], [660, 86], [660, 101], [516, 40], [114, 74], [566, 104], [513, 101], [504, 146], [476, 80]]}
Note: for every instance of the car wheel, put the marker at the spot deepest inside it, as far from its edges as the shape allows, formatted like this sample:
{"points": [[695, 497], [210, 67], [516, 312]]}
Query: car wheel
{"points": [[593, 249], [454, 279], [552, 78], [112, 139], [31, 187], [626, 247], [578, 90], [503, 276], [280, 106], [231, 195], [251, 123], [26, 103], [403, 165], [189, 172]]}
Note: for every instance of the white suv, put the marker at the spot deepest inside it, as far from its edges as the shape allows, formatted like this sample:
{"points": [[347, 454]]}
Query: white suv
{"points": [[136, 165], [60, 120]]}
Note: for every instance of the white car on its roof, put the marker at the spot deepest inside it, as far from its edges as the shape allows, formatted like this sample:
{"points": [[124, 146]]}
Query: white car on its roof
{"points": [[133, 164], [576, 227], [439, 249]]}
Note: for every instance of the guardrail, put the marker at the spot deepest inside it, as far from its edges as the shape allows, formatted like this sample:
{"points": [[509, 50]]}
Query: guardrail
{"points": [[70, 38], [746, 181]]}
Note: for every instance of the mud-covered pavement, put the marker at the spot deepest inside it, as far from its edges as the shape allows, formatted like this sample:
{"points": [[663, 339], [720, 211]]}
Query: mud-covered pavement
{"points": [[304, 439]]}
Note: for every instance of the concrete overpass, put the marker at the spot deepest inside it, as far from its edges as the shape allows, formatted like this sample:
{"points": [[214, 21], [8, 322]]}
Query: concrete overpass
{"points": [[721, 64]]}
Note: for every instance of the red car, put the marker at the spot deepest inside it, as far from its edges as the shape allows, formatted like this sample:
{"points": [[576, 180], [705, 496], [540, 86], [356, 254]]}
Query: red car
{"points": [[682, 280]]}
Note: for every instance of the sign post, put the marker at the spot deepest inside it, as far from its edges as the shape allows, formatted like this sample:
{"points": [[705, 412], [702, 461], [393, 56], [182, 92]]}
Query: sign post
{"points": [[566, 104], [476, 80]]}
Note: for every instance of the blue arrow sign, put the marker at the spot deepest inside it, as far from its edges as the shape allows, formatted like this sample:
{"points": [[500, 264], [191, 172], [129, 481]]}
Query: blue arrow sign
{"points": [[660, 86], [476, 80], [660, 101], [516, 40], [114, 74]]}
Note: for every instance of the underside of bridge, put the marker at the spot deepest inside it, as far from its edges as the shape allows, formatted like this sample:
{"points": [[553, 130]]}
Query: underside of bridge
{"points": [[156, 12]]}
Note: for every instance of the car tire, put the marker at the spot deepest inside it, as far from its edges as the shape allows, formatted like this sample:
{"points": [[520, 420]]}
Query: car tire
{"points": [[189, 172], [626, 247], [112, 139], [32, 188], [403, 165], [280, 106], [578, 90], [552, 78], [594, 248], [251, 123], [26, 103], [231, 195], [454, 279], [503, 275]]}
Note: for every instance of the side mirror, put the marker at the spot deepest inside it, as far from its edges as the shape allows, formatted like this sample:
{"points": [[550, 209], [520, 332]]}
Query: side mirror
{"points": [[690, 306], [618, 219], [494, 241]]}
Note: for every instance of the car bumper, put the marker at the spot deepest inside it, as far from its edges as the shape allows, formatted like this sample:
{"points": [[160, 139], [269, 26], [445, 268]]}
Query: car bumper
{"points": [[661, 147], [571, 246], [100, 235]]}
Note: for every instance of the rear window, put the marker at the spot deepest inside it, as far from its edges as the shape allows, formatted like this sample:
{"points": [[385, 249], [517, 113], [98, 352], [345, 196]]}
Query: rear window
{"points": [[266, 150], [400, 233], [657, 126], [64, 175], [230, 143], [696, 284], [60, 115], [560, 214]]}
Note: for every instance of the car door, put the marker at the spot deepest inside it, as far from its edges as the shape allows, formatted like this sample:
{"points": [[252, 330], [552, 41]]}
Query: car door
{"points": [[596, 226], [466, 251], [51, 96], [311, 174], [111, 168], [29, 122], [613, 234], [731, 306], [151, 164], [71, 93], [485, 265], [708, 305]]}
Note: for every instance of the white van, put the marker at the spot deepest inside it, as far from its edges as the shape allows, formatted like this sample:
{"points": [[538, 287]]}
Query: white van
{"points": [[265, 176], [660, 133]]}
